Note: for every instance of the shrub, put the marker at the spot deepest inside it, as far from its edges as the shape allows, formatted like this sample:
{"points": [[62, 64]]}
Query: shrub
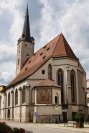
{"points": [[16, 130], [4, 128], [79, 117], [22, 130]]}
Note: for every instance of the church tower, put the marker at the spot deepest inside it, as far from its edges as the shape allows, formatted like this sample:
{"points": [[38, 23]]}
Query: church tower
{"points": [[25, 46]]}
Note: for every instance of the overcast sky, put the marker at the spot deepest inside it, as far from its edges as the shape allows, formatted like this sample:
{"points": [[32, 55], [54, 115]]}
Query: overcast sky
{"points": [[47, 19]]}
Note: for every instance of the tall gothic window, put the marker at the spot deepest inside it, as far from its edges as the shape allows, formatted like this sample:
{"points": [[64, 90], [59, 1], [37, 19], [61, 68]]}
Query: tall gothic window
{"points": [[23, 95], [9, 99], [16, 97], [50, 71], [73, 86], [60, 80], [12, 92], [0, 101], [6, 100]]}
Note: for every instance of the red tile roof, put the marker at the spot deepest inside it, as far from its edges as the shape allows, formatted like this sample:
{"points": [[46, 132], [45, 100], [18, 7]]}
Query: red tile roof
{"points": [[46, 82], [63, 49], [58, 47]]}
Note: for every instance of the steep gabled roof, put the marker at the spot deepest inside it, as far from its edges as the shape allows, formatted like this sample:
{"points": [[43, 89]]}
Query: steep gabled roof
{"points": [[58, 47], [63, 49]]}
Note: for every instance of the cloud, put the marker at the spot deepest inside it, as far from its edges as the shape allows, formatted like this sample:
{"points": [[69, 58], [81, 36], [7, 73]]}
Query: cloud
{"points": [[7, 53], [12, 14], [47, 18], [8, 72], [73, 18], [11, 26]]}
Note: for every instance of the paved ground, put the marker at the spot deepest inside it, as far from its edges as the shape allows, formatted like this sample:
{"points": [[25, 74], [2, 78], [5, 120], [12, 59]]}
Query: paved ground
{"points": [[69, 129], [48, 128]]}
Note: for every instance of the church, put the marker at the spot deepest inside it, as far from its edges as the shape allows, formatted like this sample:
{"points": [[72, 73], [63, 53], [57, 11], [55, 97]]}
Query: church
{"points": [[49, 85]]}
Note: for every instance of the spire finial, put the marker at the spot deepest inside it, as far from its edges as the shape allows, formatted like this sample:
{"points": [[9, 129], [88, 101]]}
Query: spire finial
{"points": [[27, 9]]}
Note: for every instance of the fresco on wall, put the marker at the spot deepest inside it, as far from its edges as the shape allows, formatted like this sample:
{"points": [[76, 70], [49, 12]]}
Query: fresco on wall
{"points": [[44, 96]]}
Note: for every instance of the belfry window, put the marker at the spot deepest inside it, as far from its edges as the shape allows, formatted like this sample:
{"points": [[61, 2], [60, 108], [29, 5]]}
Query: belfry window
{"points": [[27, 54], [16, 97], [60, 80], [49, 71], [18, 61]]}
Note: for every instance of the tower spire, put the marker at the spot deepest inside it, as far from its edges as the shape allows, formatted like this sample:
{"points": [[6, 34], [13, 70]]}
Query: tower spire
{"points": [[25, 45], [26, 28]]}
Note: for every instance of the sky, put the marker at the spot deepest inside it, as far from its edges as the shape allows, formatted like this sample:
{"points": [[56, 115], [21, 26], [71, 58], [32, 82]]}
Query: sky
{"points": [[48, 18]]}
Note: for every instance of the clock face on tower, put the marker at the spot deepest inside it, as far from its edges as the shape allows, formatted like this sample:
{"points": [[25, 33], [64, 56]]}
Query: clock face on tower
{"points": [[44, 96]]}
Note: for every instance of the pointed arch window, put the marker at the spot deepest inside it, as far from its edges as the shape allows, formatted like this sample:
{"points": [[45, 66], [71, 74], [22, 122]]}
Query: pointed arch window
{"points": [[6, 99], [73, 86], [60, 77], [0, 101], [60, 80], [9, 99], [12, 93], [23, 95], [50, 71], [16, 97]]}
